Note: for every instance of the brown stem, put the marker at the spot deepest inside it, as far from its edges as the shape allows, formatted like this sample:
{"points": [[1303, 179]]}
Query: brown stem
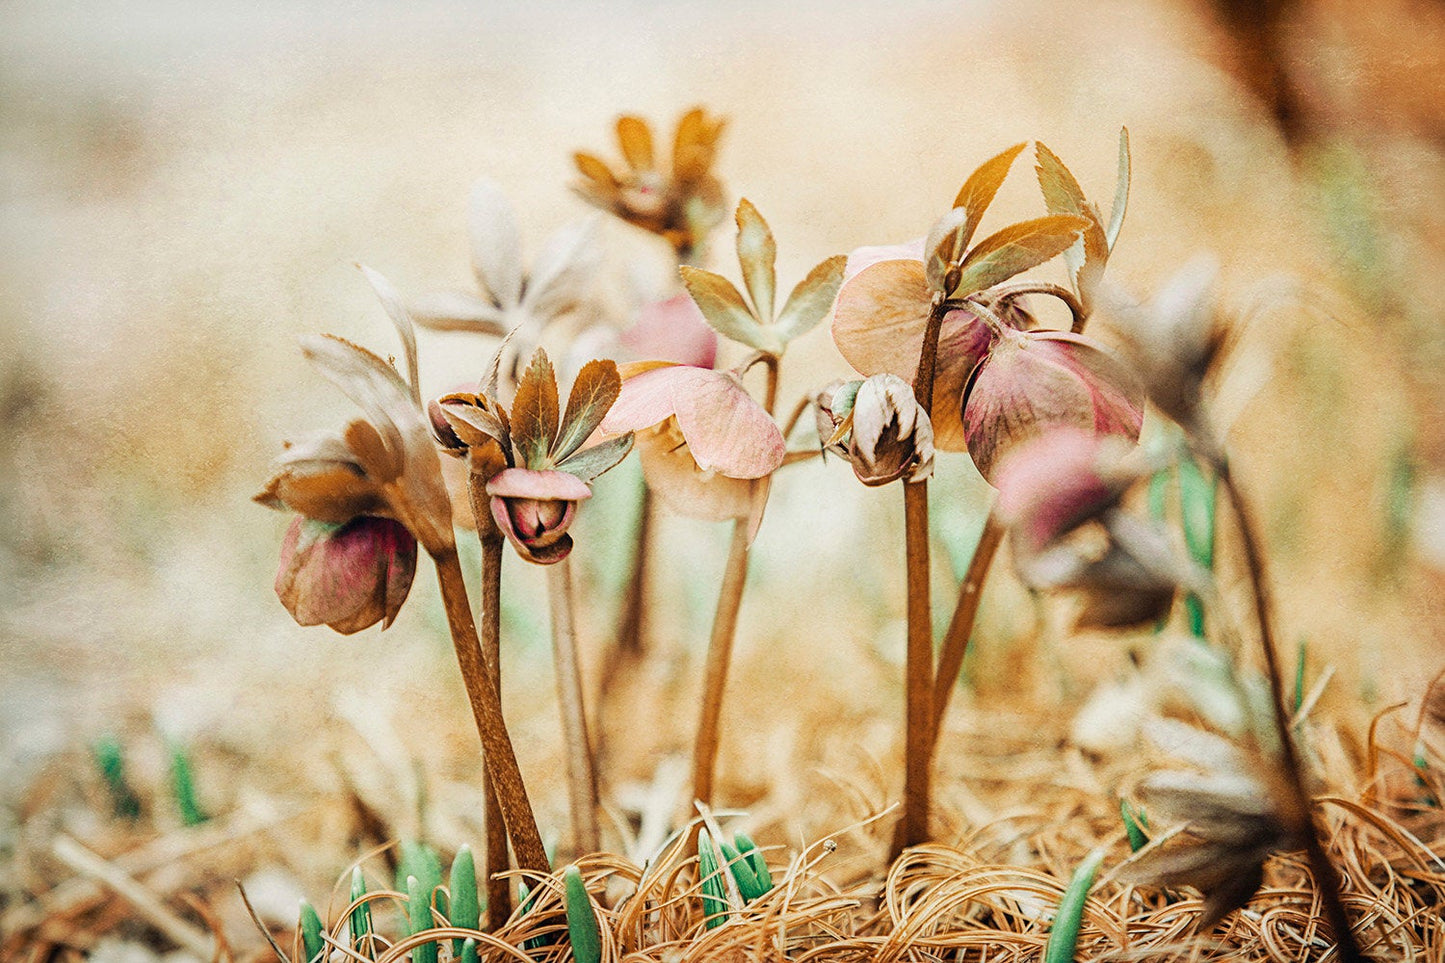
{"points": [[1301, 814], [581, 776], [965, 613], [479, 673], [797, 413], [912, 829], [770, 392], [497, 859], [1007, 292], [719, 654]]}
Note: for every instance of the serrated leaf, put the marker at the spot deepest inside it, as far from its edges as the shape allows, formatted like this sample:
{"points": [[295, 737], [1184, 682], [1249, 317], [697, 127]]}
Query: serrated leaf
{"points": [[582, 928], [593, 393], [534, 413], [591, 462], [722, 305], [635, 138], [1016, 249], [757, 254], [944, 247], [979, 190], [812, 299], [496, 243], [1121, 191], [1062, 195]]}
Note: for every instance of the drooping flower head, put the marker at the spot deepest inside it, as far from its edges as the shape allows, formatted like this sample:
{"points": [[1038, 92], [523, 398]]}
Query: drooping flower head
{"points": [[366, 495], [1039, 379], [680, 202], [538, 469]]}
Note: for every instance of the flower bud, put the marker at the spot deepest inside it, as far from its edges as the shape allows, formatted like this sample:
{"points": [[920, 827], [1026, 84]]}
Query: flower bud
{"points": [[832, 405], [892, 436], [348, 577], [534, 509]]}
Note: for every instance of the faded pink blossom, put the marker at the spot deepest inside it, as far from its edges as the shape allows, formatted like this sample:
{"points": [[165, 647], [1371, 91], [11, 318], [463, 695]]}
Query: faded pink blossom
{"points": [[348, 577], [672, 330], [1033, 382], [534, 509], [1050, 485]]}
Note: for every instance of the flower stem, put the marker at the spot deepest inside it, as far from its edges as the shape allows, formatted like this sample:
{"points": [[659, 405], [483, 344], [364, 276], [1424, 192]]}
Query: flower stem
{"points": [[912, 829], [497, 859], [581, 776], [1299, 815], [719, 654], [479, 673], [631, 634], [965, 614]]}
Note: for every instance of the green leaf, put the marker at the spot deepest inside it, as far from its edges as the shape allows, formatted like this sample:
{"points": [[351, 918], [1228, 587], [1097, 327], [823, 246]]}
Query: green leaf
{"points": [[1062, 195], [361, 916], [110, 760], [534, 413], [591, 462], [812, 299], [757, 255], [723, 307], [1064, 935], [469, 950], [419, 918], [1198, 497], [1015, 249], [593, 393], [749, 886], [755, 859], [714, 894], [1299, 674], [419, 860], [582, 925], [1135, 824], [311, 942], [1121, 191], [466, 908], [978, 191], [183, 787]]}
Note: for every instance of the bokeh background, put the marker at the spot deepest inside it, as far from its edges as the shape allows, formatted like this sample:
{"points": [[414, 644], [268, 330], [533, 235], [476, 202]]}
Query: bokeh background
{"points": [[184, 189]]}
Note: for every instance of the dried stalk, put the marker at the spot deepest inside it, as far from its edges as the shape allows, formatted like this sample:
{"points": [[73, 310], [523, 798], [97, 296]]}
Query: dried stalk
{"points": [[581, 776], [965, 614], [719, 654], [496, 860], [1300, 813]]}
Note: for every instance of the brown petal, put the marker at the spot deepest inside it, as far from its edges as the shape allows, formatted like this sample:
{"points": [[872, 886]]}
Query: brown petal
{"points": [[682, 486], [534, 413], [880, 317], [635, 138]]}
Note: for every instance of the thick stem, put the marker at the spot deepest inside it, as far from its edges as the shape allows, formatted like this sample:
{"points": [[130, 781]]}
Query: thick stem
{"points": [[1300, 815], [497, 859], [479, 673], [719, 654], [581, 776], [918, 679], [965, 614]]}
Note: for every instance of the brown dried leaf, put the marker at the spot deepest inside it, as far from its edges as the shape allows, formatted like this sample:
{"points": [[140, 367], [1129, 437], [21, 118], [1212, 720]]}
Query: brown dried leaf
{"points": [[978, 191], [723, 306], [944, 247], [1062, 195], [534, 413], [1015, 249], [757, 254], [635, 137], [593, 393], [812, 298]]}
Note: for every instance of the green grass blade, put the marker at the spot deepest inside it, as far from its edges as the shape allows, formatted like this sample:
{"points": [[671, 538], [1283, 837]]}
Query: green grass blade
{"points": [[466, 906], [183, 787], [419, 860], [1064, 935], [1299, 674], [469, 951], [1135, 825], [419, 919], [582, 925], [361, 916], [748, 884], [312, 944], [110, 760], [756, 860], [714, 894]]}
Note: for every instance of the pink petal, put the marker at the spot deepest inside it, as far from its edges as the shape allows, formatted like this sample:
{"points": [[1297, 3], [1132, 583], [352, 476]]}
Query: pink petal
{"points": [[645, 399], [727, 431], [865, 257], [672, 473], [1048, 485], [673, 330], [538, 485]]}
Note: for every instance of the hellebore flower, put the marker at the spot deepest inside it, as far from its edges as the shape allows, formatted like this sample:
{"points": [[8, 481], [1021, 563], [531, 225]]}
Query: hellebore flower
{"points": [[680, 204], [533, 459], [348, 577], [672, 330], [513, 300], [706, 446], [366, 495], [534, 510], [888, 435]]}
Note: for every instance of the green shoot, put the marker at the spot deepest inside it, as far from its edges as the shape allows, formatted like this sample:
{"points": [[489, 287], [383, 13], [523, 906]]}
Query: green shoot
{"points": [[582, 925], [714, 894], [419, 918], [183, 787], [1064, 936], [1136, 824], [110, 760], [361, 916], [312, 944], [466, 907]]}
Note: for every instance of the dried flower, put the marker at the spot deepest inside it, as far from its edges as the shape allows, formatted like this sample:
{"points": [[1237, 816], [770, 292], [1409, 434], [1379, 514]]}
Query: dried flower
{"points": [[348, 576], [680, 204], [345, 567], [889, 435], [514, 300], [1235, 815], [706, 446]]}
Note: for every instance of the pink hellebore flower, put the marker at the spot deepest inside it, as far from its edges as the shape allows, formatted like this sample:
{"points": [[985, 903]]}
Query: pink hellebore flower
{"points": [[672, 330], [348, 577], [534, 509], [706, 446]]}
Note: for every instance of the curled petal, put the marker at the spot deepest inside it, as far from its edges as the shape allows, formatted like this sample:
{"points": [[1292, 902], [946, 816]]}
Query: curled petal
{"points": [[348, 577], [319, 477], [542, 485], [865, 257], [534, 509], [682, 486]]}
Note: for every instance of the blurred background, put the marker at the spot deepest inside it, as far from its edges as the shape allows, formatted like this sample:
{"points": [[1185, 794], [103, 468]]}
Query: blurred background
{"points": [[184, 188]]}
